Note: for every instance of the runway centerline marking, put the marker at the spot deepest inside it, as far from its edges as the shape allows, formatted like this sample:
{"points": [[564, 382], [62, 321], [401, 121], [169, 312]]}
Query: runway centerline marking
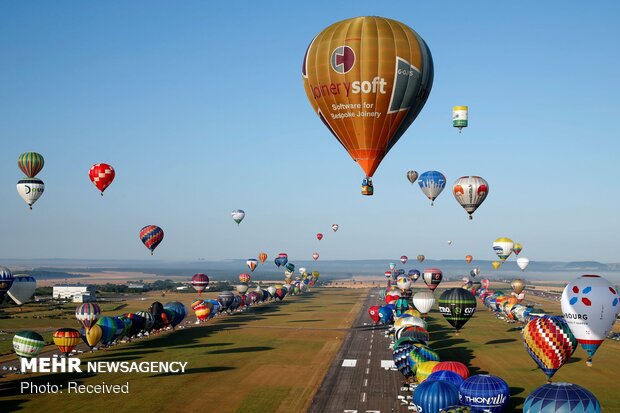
{"points": [[367, 370], [363, 397], [368, 361], [365, 382]]}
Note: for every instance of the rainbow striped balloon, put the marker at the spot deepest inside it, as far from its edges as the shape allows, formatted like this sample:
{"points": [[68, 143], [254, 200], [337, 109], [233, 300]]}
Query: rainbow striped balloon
{"points": [[151, 236], [30, 163], [88, 314]]}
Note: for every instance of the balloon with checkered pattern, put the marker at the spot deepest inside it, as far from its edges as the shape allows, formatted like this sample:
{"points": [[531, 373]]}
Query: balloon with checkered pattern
{"points": [[101, 175], [549, 342]]}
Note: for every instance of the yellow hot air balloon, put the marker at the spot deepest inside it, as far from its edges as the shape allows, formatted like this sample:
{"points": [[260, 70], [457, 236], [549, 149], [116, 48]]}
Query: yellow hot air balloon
{"points": [[66, 339], [517, 248], [93, 335], [496, 264], [367, 78]]}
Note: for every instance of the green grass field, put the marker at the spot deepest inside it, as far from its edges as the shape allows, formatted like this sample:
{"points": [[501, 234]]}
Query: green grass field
{"points": [[270, 359], [274, 358], [490, 345]]}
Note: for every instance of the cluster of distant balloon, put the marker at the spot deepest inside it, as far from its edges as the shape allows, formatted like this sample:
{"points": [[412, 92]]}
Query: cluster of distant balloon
{"points": [[104, 331], [503, 248]]}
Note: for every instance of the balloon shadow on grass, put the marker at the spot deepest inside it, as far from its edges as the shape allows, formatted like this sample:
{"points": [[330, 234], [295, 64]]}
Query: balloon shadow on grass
{"points": [[206, 345], [241, 350], [501, 341], [106, 354], [449, 346], [210, 369], [304, 321], [515, 401]]}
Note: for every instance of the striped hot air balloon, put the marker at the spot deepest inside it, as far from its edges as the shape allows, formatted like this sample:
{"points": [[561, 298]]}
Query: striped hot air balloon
{"points": [[151, 236], [28, 344], [88, 314], [66, 339], [30, 163], [200, 282], [108, 328]]}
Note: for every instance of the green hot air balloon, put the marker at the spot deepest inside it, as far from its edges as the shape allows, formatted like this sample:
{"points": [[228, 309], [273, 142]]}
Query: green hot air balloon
{"points": [[30, 163], [28, 344], [457, 306]]}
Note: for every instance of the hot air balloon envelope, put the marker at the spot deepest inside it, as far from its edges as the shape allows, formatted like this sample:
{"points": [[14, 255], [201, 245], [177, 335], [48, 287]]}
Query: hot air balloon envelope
{"points": [[367, 78]]}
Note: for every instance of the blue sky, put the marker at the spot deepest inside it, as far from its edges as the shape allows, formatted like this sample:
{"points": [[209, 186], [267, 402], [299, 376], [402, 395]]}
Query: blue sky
{"points": [[200, 108]]}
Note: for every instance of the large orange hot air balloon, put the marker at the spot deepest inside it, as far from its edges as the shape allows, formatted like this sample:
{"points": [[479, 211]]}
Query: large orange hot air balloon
{"points": [[368, 78]]}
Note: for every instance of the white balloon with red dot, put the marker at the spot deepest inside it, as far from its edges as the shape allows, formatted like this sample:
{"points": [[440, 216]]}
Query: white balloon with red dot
{"points": [[590, 305]]}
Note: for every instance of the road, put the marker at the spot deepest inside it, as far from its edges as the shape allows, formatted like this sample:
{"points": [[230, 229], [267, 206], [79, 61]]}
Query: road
{"points": [[356, 382]]}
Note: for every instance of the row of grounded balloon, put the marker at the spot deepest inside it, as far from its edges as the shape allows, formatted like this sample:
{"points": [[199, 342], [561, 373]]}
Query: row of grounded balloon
{"points": [[440, 384]]}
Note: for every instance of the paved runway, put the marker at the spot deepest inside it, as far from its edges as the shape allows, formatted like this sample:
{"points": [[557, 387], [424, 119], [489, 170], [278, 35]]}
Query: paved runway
{"points": [[356, 382]]}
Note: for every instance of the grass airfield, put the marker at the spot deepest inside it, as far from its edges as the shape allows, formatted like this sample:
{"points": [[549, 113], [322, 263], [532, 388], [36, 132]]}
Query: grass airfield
{"points": [[270, 359], [273, 359]]}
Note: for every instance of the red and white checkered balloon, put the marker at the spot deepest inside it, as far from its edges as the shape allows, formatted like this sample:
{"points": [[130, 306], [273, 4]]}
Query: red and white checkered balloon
{"points": [[101, 175]]}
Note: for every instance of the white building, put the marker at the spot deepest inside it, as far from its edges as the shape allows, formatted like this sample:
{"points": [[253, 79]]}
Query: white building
{"points": [[75, 293]]}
